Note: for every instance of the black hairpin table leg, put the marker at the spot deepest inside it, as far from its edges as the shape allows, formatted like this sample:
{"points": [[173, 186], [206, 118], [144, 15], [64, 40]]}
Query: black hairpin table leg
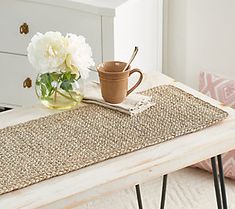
{"points": [[164, 184], [163, 196], [218, 183], [138, 193], [222, 184], [219, 178]]}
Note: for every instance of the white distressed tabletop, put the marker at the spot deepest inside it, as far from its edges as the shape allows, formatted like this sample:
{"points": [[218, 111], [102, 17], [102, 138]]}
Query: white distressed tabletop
{"points": [[73, 189]]}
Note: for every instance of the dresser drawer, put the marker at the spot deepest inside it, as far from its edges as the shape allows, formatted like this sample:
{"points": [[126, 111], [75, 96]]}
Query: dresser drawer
{"points": [[43, 18], [13, 72]]}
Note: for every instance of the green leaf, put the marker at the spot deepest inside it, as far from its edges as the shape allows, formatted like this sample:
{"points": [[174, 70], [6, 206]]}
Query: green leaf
{"points": [[69, 76], [38, 82], [66, 85], [66, 76], [45, 81], [64, 80], [43, 90], [45, 78], [73, 76], [55, 76]]}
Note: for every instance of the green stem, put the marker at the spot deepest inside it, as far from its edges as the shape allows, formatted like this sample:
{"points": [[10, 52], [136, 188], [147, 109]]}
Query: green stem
{"points": [[70, 98], [55, 95]]}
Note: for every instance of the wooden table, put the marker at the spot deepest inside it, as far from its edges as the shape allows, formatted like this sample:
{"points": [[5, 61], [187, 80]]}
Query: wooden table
{"points": [[75, 188]]}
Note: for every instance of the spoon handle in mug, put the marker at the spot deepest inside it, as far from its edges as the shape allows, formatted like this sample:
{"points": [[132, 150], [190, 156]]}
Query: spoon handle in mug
{"points": [[131, 59]]}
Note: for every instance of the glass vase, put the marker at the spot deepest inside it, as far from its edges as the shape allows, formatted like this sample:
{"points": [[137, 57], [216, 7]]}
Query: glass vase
{"points": [[59, 90]]}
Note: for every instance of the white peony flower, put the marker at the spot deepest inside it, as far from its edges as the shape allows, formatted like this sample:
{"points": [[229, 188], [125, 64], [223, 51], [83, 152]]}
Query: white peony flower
{"points": [[47, 52], [53, 52], [79, 57]]}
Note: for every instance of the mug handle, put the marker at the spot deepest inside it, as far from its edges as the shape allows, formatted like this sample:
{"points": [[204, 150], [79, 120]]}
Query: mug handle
{"points": [[138, 82]]}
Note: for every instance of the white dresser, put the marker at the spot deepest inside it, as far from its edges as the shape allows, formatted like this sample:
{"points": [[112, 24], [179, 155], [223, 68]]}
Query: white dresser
{"points": [[21, 19]]}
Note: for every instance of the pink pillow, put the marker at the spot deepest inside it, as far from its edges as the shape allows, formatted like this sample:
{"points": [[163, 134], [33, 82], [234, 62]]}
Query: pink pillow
{"points": [[223, 90]]}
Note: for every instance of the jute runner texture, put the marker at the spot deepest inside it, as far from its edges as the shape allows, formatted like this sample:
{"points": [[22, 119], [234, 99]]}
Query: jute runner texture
{"points": [[54, 145]]}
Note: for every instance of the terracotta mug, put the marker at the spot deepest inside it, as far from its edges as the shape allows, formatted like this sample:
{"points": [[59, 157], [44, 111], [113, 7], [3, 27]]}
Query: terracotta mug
{"points": [[114, 82]]}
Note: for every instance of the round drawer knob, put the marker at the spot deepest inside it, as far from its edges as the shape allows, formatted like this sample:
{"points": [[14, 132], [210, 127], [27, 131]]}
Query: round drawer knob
{"points": [[24, 28], [27, 83]]}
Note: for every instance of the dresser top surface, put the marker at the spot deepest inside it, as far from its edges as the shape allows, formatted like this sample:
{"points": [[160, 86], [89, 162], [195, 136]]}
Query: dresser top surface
{"points": [[99, 7], [103, 3]]}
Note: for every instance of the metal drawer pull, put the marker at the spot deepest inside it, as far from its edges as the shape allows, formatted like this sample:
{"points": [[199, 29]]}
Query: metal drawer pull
{"points": [[27, 83], [24, 29]]}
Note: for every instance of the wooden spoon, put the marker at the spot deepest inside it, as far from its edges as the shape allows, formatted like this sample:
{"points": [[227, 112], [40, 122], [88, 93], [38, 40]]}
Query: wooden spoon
{"points": [[132, 58]]}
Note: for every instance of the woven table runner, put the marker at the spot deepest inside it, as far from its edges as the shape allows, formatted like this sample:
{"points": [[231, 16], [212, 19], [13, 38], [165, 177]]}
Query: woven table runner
{"points": [[54, 145]]}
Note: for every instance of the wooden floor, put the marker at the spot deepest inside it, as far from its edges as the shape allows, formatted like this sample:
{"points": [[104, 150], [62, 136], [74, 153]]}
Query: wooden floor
{"points": [[189, 188]]}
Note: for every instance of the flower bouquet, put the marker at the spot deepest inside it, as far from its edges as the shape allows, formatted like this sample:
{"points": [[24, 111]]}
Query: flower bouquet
{"points": [[62, 62]]}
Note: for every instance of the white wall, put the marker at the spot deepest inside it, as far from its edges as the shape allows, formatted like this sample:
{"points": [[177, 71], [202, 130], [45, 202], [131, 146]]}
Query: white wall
{"points": [[139, 23], [200, 36]]}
